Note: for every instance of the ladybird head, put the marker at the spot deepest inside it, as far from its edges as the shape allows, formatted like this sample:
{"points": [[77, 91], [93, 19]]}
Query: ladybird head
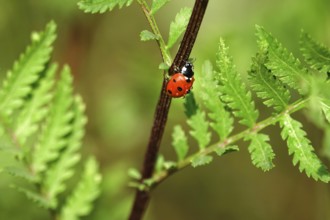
{"points": [[188, 69]]}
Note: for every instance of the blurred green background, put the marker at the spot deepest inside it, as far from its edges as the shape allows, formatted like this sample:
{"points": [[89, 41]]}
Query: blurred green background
{"points": [[119, 80]]}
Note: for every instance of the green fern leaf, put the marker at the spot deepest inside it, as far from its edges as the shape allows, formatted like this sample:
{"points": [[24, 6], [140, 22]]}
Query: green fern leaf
{"points": [[52, 138], [190, 105], [19, 172], [180, 142], [199, 129], [61, 169], [302, 150], [88, 189], [178, 26], [134, 173], [26, 71], [282, 63], [318, 103], [224, 150], [33, 196], [266, 85], [157, 4], [315, 54], [201, 160], [222, 122], [262, 154], [35, 109], [146, 35], [233, 90], [101, 6], [159, 163]]}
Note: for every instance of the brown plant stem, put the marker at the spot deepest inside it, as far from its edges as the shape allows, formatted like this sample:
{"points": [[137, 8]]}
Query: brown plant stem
{"points": [[142, 197]]}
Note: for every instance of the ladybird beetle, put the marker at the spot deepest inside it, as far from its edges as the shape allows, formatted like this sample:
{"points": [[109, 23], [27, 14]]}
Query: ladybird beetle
{"points": [[180, 83]]}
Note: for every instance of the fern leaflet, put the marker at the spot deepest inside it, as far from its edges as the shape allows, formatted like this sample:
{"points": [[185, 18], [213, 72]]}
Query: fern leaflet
{"points": [[233, 90], [178, 26], [180, 142], [146, 35], [190, 105], [35, 109], [60, 171], [33, 196], [302, 150], [262, 154], [315, 54], [79, 203], [282, 63], [199, 127], [157, 4], [222, 122], [201, 160], [266, 85], [26, 71], [52, 138], [101, 6]]}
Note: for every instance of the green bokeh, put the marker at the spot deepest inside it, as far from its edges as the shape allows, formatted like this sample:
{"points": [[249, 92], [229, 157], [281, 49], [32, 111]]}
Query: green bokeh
{"points": [[119, 80]]}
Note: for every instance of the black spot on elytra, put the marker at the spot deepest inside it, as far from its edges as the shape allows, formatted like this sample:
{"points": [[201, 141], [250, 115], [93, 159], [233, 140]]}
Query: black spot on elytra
{"points": [[174, 80], [169, 91], [179, 88]]}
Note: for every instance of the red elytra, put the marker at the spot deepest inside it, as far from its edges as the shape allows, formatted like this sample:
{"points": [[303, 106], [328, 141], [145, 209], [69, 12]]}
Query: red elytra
{"points": [[179, 85]]}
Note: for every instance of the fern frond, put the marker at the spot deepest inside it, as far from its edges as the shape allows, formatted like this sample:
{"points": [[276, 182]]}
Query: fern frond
{"points": [[61, 170], [233, 91], [262, 154], [52, 138], [222, 122], [303, 152], [87, 190], [101, 6], [34, 109], [179, 142], [26, 71], [266, 85], [178, 26], [316, 55], [282, 63]]}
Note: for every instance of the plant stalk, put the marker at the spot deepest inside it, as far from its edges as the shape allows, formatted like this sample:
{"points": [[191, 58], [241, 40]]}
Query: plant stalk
{"points": [[142, 197]]}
